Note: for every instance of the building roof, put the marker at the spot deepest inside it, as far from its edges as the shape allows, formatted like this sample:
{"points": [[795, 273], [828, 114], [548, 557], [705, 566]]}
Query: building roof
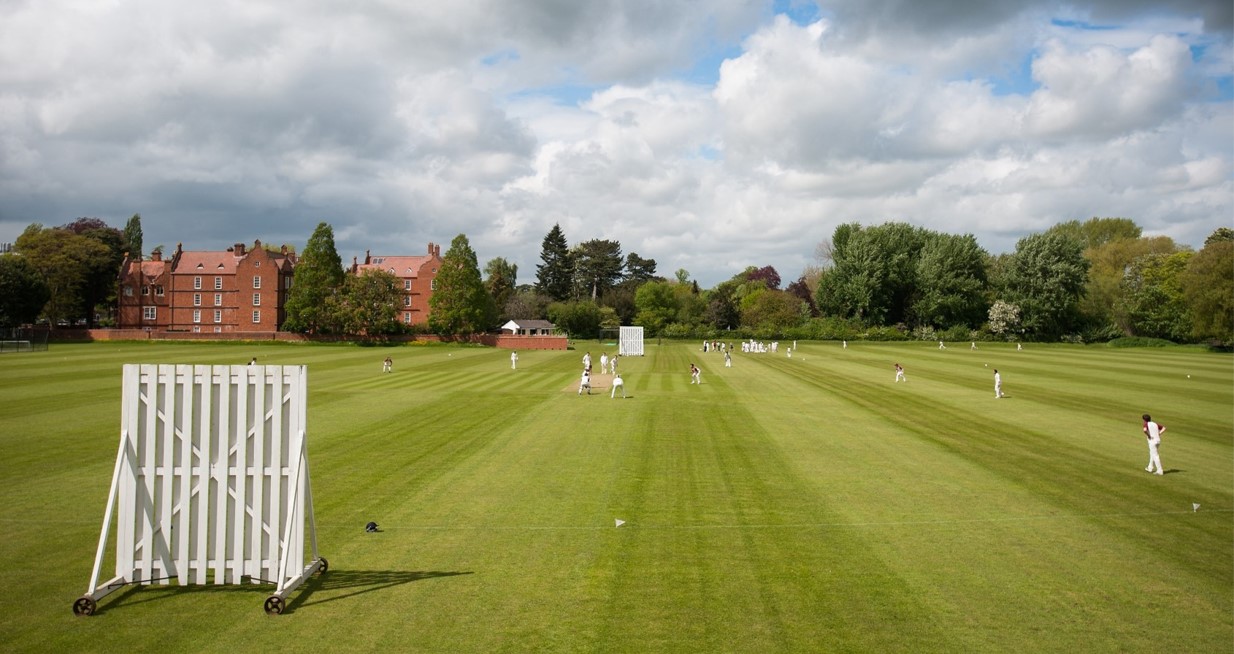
{"points": [[517, 324], [399, 266]]}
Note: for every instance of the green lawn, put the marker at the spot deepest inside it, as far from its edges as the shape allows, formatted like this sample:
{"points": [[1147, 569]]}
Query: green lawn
{"points": [[785, 504]]}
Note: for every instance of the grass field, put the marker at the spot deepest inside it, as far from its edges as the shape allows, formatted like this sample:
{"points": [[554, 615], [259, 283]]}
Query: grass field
{"points": [[802, 504]]}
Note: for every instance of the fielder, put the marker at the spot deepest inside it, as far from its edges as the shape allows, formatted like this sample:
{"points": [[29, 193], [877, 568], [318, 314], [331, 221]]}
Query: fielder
{"points": [[617, 383], [1153, 432]]}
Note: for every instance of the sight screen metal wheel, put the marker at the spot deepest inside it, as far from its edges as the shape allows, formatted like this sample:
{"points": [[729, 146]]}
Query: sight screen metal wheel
{"points": [[325, 565], [274, 605], [85, 606]]}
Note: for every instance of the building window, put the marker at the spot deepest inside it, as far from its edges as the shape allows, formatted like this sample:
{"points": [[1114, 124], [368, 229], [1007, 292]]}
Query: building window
{"points": [[433, 286], [158, 290], [218, 315], [218, 283], [197, 299], [406, 300], [145, 290], [197, 283], [196, 315], [196, 329], [406, 284], [128, 291], [286, 282], [218, 299], [256, 281], [407, 317], [257, 316], [218, 330], [149, 313], [257, 299]]}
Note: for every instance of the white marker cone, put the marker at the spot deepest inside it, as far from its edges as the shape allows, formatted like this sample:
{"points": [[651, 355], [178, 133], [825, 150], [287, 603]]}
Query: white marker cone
{"points": [[1195, 506], [619, 522]]}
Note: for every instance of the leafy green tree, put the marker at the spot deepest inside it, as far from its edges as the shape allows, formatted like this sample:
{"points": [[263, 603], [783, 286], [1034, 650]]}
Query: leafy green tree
{"points": [[1154, 297], [1096, 232], [874, 274], [639, 270], [1102, 304], [1208, 286], [950, 282], [22, 291], [555, 273], [579, 319], [1045, 277], [723, 309], [598, 267], [460, 305], [770, 310], [65, 261], [368, 304], [657, 304], [98, 291], [132, 236], [501, 277], [1220, 235], [318, 277], [682, 276]]}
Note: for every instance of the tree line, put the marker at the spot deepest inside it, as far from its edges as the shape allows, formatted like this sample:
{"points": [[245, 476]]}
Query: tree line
{"points": [[1082, 281]]}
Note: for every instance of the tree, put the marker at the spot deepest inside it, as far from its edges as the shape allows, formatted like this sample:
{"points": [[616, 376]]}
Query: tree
{"points": [[318, 277], [950, 282], [657, 305], [1102, 304], [1096, 232], [875, 272], [800, 289], [1155, 306], [22, 291], [527, 304], [1045, 277], [65, 261], [770, 310], [98, 291], [554, 275], [1004, 318], [501, 277], [766, 274], [579, 319], [132, 236], [460, 305], [639, 270], [1220, 235], [597, 267], [1208, 286], [682, 276], [367, 304]]}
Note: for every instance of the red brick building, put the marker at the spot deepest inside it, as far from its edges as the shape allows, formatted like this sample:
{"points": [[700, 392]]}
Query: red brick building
{"points": [[237, 290], [418, 275]]}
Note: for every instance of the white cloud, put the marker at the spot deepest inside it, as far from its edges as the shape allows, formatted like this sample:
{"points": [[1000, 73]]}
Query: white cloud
{"points": [[403, 123]]}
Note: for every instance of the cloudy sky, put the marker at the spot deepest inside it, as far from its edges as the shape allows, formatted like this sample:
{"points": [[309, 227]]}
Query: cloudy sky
{"points": [[708, 135]]}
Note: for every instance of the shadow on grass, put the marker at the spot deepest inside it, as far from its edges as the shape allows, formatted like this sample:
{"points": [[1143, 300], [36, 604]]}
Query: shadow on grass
{"points": [[351, 582]]}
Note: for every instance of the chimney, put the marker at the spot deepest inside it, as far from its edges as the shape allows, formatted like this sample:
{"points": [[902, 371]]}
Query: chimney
{"points": [[437, 251], [238, 249], [430, 248], [368, 258]]}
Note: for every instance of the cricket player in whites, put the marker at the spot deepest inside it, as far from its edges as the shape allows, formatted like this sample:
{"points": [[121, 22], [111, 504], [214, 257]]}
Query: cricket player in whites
{"points": [[1153, 431], [617, 383]]}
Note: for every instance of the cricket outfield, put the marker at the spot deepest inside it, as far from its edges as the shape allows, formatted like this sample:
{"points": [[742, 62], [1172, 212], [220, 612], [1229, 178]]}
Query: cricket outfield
{"points": [[785, 504]]}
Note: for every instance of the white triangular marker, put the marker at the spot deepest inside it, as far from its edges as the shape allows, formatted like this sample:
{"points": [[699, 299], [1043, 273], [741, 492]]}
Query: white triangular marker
{"points": [[619, 522], [1195, 506]]}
